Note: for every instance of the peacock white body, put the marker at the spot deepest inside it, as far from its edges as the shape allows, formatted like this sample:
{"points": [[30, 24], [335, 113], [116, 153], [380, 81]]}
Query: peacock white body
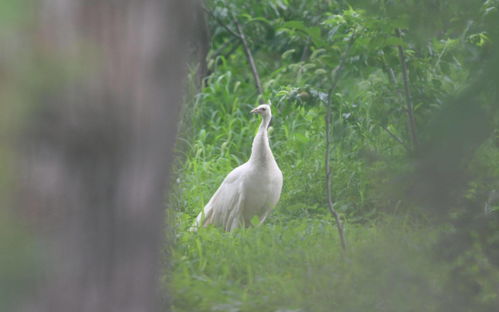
{"points": [[249, 190]]}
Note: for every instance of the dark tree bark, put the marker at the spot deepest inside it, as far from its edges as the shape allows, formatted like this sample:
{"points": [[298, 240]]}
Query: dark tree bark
{"points": [[95, 157]]}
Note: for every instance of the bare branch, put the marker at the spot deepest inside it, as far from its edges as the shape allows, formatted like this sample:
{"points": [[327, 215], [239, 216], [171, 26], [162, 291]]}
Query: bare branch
{"points": [[394, 81], [251, 61], [232, 44], [335, 74], [396, 138], [305, 51], [221, 23], [329, 184], [339, 224], [240, 35]]}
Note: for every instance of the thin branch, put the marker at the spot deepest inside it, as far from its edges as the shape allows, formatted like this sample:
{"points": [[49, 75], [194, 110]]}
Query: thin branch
{"points": [[232, 43], [232, 49], [329, 184], [240, 35], [251, 61], [394, 82], [408, 98], [305, 51], [396, 138], [335, 74], [339, 224], [221, 23]]}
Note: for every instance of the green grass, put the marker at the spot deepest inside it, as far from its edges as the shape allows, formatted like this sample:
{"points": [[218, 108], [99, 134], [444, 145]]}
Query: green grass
{"points": [[299, 266]]}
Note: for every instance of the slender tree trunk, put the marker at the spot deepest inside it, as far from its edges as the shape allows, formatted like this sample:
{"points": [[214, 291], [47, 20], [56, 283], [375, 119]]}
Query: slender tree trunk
{"points": [[95, 157], [329, 183], [335, 76], [239, 34], [249, 56], [411, 121]]}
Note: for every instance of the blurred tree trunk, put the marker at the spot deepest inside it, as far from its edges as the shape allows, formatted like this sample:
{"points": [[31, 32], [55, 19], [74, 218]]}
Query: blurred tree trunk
{"points": [[96, 154]]}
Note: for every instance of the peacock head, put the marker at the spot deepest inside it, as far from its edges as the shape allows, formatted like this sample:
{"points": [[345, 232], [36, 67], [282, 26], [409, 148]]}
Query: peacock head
{"points": [[263, 110]]}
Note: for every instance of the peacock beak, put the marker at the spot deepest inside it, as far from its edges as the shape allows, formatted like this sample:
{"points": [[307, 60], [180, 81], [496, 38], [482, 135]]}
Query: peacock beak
{"points": [[254, 110]]}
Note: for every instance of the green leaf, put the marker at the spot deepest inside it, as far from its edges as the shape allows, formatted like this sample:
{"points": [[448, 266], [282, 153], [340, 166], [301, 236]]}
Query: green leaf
{"points": [[394, 41], [313, 32], [286, 54], [255, 221]]}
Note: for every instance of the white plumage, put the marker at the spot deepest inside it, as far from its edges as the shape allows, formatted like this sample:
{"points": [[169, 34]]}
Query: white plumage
{"points": [[249, 190]]}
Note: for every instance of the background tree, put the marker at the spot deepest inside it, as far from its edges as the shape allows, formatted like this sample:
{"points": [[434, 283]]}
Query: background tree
{"points": [[100, 85]]}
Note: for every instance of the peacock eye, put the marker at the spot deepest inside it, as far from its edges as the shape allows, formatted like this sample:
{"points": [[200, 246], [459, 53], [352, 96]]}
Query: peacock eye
{"points": [[263, 108]]}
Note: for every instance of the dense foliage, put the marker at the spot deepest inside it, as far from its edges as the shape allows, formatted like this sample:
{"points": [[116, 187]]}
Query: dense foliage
{"points": [[405, 191]]}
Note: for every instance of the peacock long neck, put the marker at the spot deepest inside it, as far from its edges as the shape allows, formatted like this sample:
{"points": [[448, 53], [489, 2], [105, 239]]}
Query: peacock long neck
{"points": [[260, 151]]}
